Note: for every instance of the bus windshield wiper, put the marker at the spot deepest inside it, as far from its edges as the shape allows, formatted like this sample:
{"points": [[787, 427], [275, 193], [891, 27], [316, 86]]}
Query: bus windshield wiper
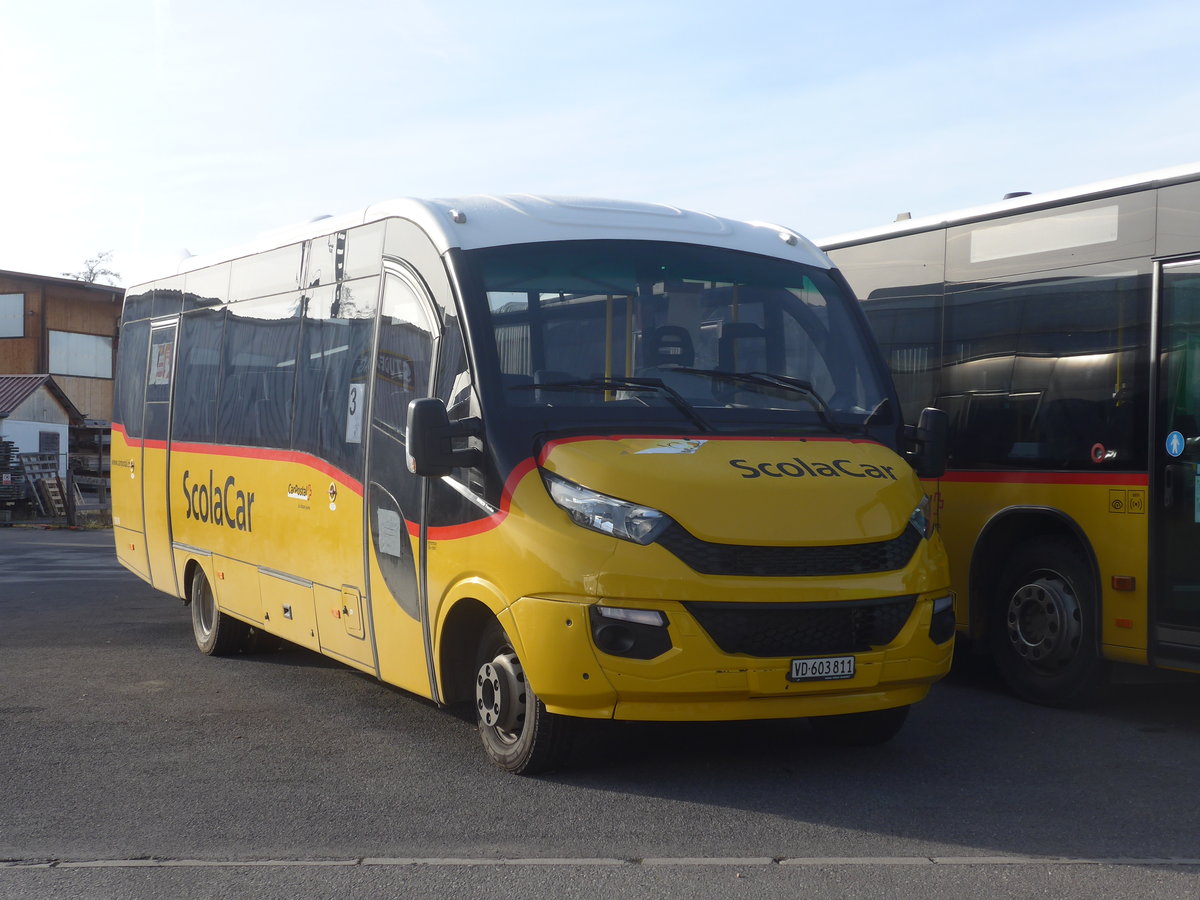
{"points": [[655, 385], [770, 379]]}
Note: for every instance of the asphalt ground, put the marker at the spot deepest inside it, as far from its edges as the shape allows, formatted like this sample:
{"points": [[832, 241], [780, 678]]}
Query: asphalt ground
{"points": [[132, 765]]}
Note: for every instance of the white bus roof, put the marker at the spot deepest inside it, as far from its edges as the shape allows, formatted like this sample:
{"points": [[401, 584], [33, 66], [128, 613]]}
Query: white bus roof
{"points": [[1029, 202], [486, 221]]}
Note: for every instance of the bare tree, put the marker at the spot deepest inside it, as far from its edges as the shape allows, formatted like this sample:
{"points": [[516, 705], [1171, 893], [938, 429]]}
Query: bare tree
{"points": [[95, 269]]}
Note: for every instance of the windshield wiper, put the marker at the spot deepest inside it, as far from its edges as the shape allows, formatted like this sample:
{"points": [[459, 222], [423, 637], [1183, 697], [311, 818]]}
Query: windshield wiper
{"points": [[655, 385], [770, 379]]}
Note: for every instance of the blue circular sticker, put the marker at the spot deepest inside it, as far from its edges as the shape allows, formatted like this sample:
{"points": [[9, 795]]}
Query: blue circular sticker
{"points": [[1174, 443]]}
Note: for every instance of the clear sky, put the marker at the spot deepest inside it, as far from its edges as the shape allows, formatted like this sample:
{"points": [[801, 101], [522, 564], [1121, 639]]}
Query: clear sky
{"points": [[147, 127]]}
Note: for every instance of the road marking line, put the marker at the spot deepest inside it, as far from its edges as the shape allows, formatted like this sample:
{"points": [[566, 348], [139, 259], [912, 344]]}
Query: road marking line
{"points": [[681, 861]]}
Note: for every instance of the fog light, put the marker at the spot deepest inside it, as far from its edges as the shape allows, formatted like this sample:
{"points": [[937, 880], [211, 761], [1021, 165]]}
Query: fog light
{"points": [[631, 633], [941, 627]]}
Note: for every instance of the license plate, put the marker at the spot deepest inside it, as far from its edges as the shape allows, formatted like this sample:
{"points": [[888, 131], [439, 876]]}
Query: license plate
{"points": [[822, 668]]}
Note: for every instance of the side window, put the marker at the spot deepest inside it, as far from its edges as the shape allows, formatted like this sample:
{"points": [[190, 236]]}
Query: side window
{"points": [[159, 374], [403, 364], [131, 377], [906, 330], [454, 374], [198, 379], [332, 368], [261, 338], [1049, 371]]}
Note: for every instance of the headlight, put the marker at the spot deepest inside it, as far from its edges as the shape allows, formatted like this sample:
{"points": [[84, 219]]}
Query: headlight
{"points": [[608, 515], [921, 520]]}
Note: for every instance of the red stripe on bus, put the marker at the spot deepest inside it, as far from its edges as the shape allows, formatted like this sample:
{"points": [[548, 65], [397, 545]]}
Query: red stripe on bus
{"points": [[289, 456], [479, 526], [1122, 479]]}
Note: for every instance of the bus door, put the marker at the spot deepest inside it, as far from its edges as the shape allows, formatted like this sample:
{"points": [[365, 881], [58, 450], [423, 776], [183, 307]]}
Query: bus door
{"points": [[395, 497], [1176, 550], [154, 471]]}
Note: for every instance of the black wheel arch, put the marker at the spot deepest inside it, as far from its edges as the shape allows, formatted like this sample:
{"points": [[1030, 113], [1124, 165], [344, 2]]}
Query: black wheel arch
{"points": [[458, 643], [1004, 532], [189, 575]]}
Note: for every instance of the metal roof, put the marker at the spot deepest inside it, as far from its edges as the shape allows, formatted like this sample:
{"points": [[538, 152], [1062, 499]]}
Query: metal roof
{"points": [[488, 221], [92, 286], [16, 389], [1020, 203]]}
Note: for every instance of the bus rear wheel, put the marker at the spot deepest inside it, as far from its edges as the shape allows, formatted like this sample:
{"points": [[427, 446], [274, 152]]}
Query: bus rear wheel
{"points": [[517, 731], [1044, 633], [216, 633]]}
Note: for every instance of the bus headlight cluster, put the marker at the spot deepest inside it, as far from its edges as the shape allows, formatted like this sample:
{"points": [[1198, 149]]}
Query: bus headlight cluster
{"points": [[605, 514]]}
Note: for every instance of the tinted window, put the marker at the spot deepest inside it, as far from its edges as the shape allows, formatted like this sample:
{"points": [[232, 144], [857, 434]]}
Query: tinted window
{"points": [[206, 287], [338, 327], [264, 274], [137, 306], [198, 377], [404, 361], [563, 315], [364, 250], [261, 338], [1048, 371], [130, 389], [159, 372]]}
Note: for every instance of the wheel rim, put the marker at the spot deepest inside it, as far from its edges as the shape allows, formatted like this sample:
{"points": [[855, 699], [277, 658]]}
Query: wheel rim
{"points": [[1044, 622], [501, 696], [206, 608]]}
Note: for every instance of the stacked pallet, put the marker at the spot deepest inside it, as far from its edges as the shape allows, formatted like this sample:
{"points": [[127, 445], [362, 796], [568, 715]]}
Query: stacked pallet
{"points": [[41, 471]]}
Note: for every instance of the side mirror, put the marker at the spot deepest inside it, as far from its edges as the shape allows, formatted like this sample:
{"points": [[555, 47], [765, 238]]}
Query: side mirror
{"points": [[929, 440], [430, 439]]}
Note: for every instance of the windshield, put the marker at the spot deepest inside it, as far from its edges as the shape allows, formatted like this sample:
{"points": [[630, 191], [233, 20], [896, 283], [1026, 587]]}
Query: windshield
{"points": [[604, 331]]}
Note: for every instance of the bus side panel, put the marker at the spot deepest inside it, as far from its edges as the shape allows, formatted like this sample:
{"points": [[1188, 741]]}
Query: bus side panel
{"points": [[285, 530], [289, 610], [237, 590], [128, 532], [399, 636], [341, 625], [1113, 515], [156, 508]]}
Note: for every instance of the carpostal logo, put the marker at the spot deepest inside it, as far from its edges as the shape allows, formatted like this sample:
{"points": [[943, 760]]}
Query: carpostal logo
{"points": [[218, 502], [799, 468], [300, 491]]}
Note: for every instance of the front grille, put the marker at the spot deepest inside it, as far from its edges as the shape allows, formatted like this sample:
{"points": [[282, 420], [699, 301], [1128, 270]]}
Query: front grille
{"points": [[802, 629], [786, 562]]}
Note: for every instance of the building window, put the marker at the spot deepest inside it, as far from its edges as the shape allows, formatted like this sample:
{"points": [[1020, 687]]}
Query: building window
{"points": [[12, 315], [89, 355]]}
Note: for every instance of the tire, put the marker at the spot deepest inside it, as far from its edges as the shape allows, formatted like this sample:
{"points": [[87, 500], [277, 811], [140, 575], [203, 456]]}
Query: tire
{"points": [[866, 729], [216, 634], [518, 734], [1043, 625]]}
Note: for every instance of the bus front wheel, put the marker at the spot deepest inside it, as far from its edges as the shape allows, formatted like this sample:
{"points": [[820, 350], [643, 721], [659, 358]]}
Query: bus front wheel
{"points": [[1044, 625], [216, 633], [517, 731]]}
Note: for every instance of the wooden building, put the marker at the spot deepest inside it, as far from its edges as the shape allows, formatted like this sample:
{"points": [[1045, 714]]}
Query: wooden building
{"points": [[64, 328]]}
